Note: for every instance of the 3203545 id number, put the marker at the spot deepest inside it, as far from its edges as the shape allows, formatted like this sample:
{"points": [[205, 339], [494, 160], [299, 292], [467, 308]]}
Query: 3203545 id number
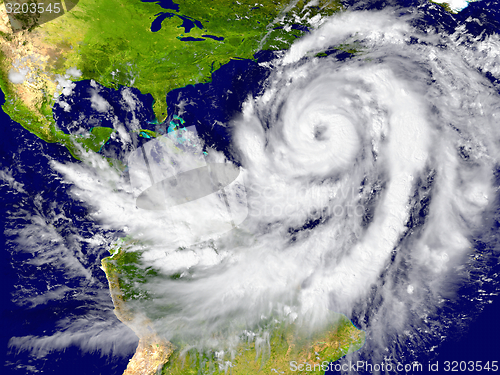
{"points": [[463, 366], [17, 8]]}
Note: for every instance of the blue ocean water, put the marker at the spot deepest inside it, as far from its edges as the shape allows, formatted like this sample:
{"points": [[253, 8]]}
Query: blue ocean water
{"points": [[26, 159], [80, 102], [472, 341], [117, 113], [210, 107]]}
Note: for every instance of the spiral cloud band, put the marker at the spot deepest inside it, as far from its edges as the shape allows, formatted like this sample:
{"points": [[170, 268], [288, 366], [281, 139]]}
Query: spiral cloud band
{"points": [[410, 127], [367, 181], [339, 124]]}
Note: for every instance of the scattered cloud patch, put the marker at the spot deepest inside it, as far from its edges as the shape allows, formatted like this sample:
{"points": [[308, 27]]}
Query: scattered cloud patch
{"points": [[74, 72], [17, 76], [64, 105], [64, 86], [98, 102]]}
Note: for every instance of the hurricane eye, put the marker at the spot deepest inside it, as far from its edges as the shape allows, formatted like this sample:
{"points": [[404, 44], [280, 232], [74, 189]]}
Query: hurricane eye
{"points": [[320, 132]]}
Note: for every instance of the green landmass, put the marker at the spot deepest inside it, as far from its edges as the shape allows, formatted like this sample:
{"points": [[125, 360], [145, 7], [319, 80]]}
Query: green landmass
{"points": [[126, 269], [287, 342], [111, 42], [43, 125], [287, 345], [445, 6]]}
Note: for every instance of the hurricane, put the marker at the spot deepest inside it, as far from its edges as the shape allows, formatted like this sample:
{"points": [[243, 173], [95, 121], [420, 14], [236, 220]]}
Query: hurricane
{"points": [[366, 186]]}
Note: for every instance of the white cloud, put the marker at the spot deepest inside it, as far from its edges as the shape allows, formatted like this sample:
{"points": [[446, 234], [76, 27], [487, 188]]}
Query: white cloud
{"points": [[18, 75], [458, 5], [338, 158], [64, 105], [64, 85], [98, 102], [74, 72], [107, 336]]}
